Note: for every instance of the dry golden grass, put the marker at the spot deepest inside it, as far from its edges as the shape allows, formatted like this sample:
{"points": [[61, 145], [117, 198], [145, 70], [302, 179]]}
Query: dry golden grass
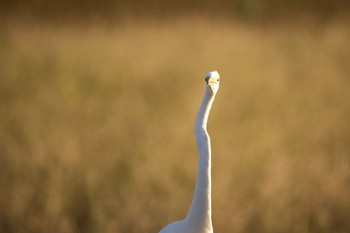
{"points": [[96, 126]]}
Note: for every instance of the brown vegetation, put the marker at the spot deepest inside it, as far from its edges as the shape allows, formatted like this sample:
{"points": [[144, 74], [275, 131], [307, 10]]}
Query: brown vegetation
{"points": [[96, 126], [246, 10]]}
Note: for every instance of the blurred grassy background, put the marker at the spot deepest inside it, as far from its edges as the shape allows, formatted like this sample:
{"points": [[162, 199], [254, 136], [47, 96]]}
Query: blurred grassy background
{"points": [[97, 115]]}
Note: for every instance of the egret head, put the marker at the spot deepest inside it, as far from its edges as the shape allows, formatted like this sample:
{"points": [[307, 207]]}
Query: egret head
{"points": [[213, 81]]}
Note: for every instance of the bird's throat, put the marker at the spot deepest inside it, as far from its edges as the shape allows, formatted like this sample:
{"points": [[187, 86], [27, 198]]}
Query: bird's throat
{"points": [[199, 214]]}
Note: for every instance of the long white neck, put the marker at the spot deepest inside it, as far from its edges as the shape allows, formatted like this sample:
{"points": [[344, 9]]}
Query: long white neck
{"points": [[199, 214]]}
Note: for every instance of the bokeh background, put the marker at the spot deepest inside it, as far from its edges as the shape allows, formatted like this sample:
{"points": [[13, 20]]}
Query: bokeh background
{"points": [[98, 101]]}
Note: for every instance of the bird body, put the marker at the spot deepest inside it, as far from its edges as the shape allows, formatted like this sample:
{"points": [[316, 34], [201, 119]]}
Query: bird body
{"points": [[198, 219]]}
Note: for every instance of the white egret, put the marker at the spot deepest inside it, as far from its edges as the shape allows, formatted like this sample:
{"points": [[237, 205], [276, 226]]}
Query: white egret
{"points": [[198, 219]]}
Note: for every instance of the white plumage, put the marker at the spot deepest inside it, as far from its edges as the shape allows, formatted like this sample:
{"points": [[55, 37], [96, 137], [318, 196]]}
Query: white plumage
{"points": [[198, 219]]}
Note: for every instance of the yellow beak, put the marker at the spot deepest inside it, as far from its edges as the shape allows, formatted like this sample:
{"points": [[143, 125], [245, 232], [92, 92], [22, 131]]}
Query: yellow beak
{"points": [[213, 81]]}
